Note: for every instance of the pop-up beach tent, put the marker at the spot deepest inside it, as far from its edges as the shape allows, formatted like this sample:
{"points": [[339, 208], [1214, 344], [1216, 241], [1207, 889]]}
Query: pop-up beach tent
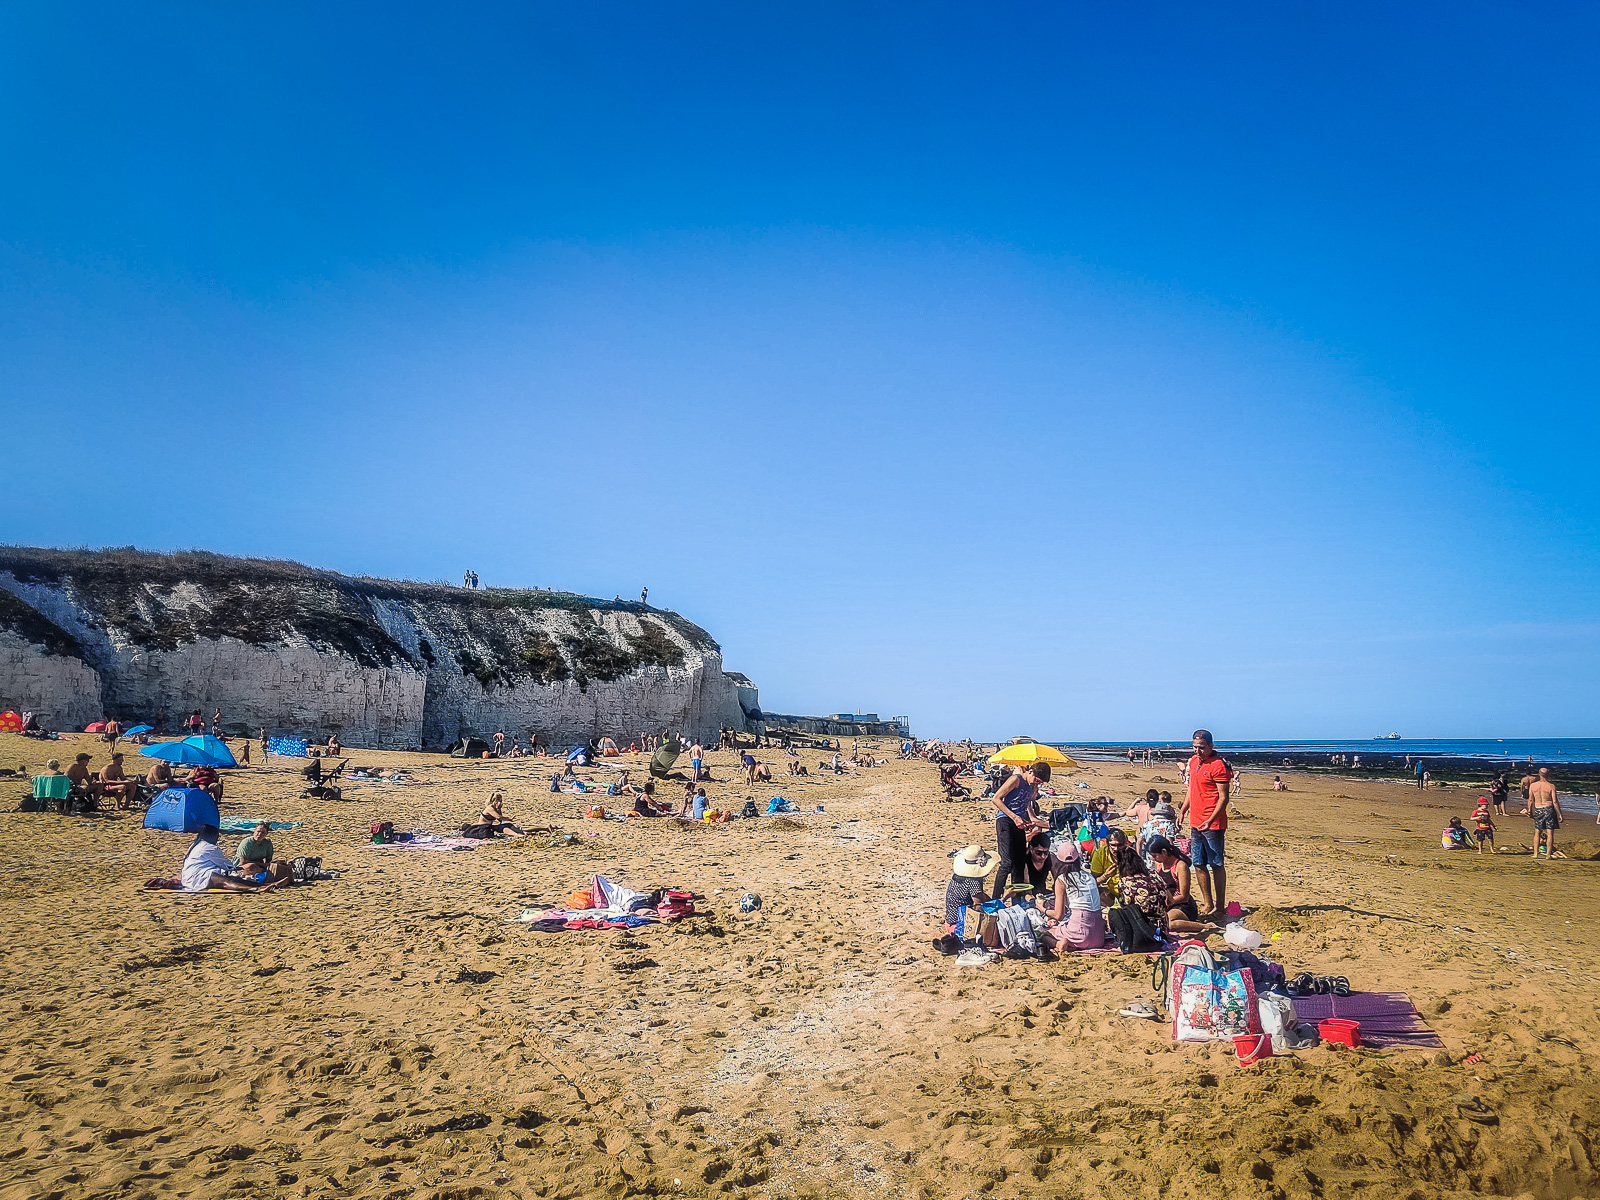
{"points": [[201, 750], [10, 721], [182, 810]]}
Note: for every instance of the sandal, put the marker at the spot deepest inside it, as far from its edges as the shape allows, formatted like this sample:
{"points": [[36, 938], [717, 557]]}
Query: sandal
{"points": [[1301, 985], [1340, 985]]}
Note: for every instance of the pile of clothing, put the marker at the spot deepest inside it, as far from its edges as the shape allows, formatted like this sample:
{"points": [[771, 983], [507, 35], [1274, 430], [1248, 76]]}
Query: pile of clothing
{"points": [[606, 905]]}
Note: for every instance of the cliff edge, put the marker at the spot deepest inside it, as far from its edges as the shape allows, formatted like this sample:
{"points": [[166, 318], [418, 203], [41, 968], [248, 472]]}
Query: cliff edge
{"points": [[382, 663]]}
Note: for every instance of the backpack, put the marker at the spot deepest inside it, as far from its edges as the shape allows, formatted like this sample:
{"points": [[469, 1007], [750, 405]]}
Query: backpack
{"points": [[749, 809], [675, 906], [383, 832], [1133, 930], [1017, 935]]}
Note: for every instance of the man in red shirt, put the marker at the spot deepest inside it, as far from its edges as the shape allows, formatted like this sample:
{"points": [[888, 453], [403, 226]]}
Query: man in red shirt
{"points": [[1207, 804]]}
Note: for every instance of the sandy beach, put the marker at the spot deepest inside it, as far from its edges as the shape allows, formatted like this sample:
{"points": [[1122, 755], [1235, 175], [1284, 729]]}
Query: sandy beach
{"points": [[316, 1042]]}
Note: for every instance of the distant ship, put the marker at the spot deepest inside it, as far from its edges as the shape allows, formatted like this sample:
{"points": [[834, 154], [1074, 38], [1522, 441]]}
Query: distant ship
{"points": [[1386, 737]]}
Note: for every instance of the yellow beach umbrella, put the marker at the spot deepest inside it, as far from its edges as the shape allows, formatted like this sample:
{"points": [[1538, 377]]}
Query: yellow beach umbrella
{"points": [[1031, 752]]}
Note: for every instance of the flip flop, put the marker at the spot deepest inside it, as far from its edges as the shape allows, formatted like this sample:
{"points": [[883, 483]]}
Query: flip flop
{"points": [[1341, 985]]}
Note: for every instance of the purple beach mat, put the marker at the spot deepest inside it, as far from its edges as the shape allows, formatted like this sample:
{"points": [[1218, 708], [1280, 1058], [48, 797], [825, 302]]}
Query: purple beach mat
{"points": [[1388, 1019]]}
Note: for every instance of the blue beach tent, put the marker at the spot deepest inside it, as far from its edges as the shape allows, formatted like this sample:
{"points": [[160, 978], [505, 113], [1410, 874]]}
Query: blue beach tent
{"points": [[182, 810], [137, 729], [202, 750]]}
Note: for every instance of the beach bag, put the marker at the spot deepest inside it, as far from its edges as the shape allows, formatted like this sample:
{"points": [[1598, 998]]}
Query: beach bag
{"points": [[675, 906], [1210, 1003], [583, 899], [555, 783], [1018, 937], [1133, 930], [383, 832], [595, 812]]}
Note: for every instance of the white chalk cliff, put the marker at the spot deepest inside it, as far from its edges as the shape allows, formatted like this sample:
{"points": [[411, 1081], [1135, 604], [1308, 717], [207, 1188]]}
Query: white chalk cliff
{"points": [[87, 634]]}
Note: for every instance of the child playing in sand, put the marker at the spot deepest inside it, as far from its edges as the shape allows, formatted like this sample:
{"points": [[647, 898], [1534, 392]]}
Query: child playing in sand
{"points": [[963, 898], [1483, 826], [1454, 836]]}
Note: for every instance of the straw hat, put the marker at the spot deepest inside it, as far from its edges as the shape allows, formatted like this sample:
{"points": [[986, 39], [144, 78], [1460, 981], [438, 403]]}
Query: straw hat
{"points": [[974, 862]]}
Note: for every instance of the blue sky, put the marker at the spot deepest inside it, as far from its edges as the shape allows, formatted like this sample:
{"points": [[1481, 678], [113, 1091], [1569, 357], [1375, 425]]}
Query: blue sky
{"points": [[1046, 369]]}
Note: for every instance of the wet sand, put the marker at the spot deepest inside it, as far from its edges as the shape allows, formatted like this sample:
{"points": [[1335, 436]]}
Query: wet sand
{"points": [[314, 1042]]}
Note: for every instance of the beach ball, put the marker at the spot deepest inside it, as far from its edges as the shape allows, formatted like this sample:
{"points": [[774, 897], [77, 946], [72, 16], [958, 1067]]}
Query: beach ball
{"points": [[749, 902]]}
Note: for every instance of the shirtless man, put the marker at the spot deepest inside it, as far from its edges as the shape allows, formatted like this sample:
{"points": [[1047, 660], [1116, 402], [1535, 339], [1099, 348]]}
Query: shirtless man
{"points": [[1544, 806], [1527, 782], [160, 774], [78, 772], [114, 783], [696, 753]]}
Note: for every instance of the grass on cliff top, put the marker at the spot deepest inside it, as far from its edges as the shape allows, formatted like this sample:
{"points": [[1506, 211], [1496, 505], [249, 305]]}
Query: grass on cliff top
{"points": [[110, 579]]}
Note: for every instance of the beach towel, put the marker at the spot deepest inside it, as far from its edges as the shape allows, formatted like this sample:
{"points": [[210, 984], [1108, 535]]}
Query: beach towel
{"points": [[248, 825], [287, 747], [1388, 1019], [449, 843]]}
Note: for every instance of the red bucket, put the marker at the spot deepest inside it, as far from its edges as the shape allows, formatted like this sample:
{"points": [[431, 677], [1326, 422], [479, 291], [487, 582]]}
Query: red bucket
{"points": [[1340, 1031], [1251, 1047]]}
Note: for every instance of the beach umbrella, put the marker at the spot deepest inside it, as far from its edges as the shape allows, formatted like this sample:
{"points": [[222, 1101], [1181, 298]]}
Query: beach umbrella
{"points": [[202, 750], [137, 729], [1024, 753]]}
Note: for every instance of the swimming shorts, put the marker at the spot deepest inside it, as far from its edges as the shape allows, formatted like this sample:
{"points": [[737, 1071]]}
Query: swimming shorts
{"points": [[1483, 835], [1205, 848], [1545, 818]]}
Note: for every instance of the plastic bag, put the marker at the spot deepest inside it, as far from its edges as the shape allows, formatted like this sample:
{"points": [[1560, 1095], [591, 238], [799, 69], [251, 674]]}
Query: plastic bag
{"points": [[1241, 938]]}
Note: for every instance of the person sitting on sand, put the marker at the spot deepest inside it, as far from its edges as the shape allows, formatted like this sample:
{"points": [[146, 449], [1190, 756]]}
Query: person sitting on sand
{"points": [[117, 785], [622, 787], [1073, 910], [1455, 836], [1034, 876], [694, 805], [1278, 785], [255, 852], [335, 749], [1172, 868], [494, 815], [207, 867], [1138, 887], [1106, 861]]}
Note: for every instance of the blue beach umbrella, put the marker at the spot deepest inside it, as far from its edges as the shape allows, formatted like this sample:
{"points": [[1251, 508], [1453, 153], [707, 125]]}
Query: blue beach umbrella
{"points": [[203, 750], [137, 729]]}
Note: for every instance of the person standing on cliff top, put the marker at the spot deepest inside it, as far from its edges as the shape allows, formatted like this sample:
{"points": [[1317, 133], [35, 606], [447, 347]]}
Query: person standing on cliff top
{"points": [[1207, 805], [644, 595]]}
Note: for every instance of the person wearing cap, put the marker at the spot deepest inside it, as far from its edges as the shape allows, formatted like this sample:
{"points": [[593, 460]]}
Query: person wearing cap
{"points": [[964, 891], [1172, 869], [1210, 778], [1073, 910]]}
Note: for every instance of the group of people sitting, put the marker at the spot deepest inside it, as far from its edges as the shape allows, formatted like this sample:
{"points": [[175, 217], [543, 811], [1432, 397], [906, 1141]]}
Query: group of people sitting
{"points": [[1071, 865], [80, 789]]}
